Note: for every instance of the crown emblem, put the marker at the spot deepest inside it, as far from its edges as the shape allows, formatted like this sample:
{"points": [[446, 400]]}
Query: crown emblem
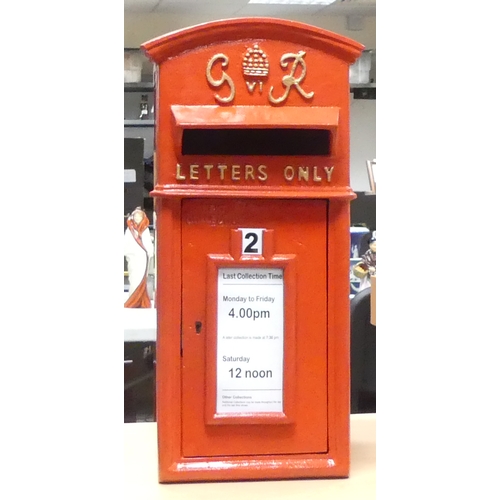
{"points": [[255, 63]]}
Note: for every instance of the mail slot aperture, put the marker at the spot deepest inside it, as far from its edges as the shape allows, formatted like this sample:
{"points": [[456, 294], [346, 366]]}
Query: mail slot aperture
{"points": [[256, 142]]}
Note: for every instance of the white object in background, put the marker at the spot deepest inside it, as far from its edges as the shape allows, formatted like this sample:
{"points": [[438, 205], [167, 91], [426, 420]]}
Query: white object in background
{"points": [[371, 168], [132, 67], [139, 324], [138, 251], [137, 260], [130, 175], [359, 72]]}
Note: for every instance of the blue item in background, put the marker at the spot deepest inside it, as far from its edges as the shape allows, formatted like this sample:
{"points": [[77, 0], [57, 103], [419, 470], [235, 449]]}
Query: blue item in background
{"points": [[354, 281], [358, 236]]}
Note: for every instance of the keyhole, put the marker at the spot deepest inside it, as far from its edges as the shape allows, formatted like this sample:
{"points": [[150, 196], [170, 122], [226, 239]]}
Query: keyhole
{"points": [[197, 326]]}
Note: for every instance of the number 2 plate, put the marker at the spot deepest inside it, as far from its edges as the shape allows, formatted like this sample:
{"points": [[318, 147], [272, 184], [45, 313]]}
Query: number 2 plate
{"points": [[251, 243]]}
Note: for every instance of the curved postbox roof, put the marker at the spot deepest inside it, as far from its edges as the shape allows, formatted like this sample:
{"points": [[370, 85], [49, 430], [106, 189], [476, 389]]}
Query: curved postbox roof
{"points": [[172, 44]]}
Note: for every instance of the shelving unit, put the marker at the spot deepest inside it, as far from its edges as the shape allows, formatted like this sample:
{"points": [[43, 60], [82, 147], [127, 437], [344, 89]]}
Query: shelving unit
{"points": [[367, 89], [139, 123], [364, 91], [133, 95], [139, 87], [140, 324], [134, 127]]}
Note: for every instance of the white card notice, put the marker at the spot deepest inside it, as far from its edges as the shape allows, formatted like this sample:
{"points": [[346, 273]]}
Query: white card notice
{"points": [[250, 340]]}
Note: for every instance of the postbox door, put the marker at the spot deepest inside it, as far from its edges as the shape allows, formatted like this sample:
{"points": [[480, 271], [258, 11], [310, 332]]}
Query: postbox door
{"points": [[299, 230]]}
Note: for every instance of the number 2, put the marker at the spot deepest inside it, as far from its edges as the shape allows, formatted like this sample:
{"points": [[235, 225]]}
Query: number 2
{"points": [[251, 242], [250, 248]]}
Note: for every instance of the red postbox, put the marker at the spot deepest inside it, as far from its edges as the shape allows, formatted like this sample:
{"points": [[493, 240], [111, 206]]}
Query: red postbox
{"points": [[252, 202]]}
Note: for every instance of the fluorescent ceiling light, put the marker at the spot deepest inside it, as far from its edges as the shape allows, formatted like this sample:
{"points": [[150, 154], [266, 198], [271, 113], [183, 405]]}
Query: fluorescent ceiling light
{"points": [[294, 2]]}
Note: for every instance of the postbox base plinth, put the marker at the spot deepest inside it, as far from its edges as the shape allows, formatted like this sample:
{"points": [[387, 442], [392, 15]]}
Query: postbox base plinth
{"points": [[217, 469]]}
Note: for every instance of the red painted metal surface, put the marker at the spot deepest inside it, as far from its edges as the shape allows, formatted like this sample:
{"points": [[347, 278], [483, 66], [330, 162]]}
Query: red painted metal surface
{"points": [[253, 79], [300, 239]]}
